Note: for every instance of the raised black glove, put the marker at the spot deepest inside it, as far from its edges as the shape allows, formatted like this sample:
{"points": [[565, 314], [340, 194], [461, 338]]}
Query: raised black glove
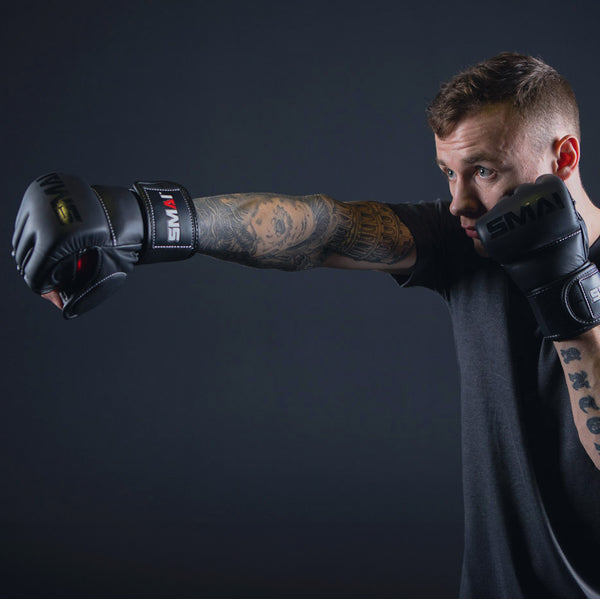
{"points": [[82, 240], [541, 241]]}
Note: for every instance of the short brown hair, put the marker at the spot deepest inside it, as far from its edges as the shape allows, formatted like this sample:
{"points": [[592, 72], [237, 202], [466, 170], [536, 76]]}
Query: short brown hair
{"points": [[538, 94]]}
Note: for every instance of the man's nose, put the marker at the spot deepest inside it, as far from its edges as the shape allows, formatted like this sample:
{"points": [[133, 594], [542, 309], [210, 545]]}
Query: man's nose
{"points": [[465, 201]]}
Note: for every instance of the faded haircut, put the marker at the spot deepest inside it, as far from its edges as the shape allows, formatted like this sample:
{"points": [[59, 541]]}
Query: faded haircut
{"points": [[538, 94]]}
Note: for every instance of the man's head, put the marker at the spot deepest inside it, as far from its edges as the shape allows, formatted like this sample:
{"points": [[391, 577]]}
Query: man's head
{"points": [[501, 123]]}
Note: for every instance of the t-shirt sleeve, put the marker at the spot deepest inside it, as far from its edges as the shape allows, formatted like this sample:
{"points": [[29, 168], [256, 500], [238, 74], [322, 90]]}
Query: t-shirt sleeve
{"points": [[443, 249]]}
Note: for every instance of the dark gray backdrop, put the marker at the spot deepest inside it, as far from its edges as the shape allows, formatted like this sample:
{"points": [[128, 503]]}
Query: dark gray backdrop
{"points": [[215, 430]]}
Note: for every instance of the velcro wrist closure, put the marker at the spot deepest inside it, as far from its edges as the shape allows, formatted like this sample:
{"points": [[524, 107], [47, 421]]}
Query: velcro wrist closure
{"points": [[568, 307], [171, 228]]}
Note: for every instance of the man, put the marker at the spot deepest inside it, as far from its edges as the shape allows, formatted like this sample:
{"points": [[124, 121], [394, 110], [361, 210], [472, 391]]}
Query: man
{"points": [[509, 256]]}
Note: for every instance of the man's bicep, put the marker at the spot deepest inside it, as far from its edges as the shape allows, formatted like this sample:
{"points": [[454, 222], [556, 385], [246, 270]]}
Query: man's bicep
{"points": [[369, 236]]}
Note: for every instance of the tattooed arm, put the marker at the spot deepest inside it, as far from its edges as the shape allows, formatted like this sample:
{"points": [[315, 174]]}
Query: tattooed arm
{"points": [[300, 232], [580, 359]]}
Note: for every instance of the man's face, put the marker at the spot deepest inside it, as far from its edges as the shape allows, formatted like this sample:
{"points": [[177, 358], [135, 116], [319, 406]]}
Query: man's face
{"points": [[486, 156]]}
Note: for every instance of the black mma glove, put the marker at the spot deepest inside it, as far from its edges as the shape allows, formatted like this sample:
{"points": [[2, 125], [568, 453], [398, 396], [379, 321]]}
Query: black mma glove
{"points": [[541, 241], [82, 240]]}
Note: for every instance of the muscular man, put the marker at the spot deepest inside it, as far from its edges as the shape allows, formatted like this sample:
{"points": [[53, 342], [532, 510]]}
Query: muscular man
{"points": [[513, 254]]}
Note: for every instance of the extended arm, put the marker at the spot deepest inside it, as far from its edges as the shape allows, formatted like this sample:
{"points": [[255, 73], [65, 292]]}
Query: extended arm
{"points": [[75, 244], [580, 359], [300, 232]]}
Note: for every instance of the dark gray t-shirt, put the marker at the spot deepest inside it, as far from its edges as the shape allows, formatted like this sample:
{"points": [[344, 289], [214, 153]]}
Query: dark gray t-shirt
{"points": [[531, 493]]}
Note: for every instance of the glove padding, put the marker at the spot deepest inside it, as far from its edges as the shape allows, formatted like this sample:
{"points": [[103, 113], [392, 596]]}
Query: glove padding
{"points": [[83, 240], [541, 241]]}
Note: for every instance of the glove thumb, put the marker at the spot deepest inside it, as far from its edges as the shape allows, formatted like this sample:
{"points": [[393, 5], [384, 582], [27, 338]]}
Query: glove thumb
{"points": [[91, 277]]}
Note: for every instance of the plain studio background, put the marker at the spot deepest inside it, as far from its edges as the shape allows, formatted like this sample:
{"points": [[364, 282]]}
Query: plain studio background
{"points": [[215, 430]]}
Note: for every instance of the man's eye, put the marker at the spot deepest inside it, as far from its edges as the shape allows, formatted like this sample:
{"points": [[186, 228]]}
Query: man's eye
{"points": [[483, 172], [449, 173]]}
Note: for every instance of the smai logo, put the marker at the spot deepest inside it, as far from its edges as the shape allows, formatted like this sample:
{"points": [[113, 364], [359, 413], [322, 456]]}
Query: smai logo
{"points": [[534, 210], [172, 216]]}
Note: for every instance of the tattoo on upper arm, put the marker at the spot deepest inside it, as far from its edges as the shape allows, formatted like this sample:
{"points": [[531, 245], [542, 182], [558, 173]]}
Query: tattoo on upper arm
{"points": [[579, 380], [370, 232], [570, 354]]}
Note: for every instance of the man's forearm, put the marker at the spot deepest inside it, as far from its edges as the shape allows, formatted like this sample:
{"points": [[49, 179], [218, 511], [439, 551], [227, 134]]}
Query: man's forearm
{"points": [[265, 230], [580, 359], [299, 232]]}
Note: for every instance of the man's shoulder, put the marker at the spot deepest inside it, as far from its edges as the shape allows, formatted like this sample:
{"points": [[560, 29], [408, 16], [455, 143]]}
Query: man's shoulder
{"points": [[444, 254], [430, 222]]}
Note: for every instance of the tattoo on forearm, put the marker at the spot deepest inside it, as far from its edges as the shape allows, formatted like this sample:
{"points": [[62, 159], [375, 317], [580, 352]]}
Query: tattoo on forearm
{"points": [[593, 425], [570, 354], [579, 380], [587, 403], [263, 230], [294, 233]]}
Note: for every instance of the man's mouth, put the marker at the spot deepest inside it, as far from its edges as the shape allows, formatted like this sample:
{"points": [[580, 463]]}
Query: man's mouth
{"points": [[471, 232]]}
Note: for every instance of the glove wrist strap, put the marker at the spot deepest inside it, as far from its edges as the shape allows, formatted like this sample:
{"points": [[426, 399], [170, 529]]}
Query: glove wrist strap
{"points": [[570, 306], [171, 228]]}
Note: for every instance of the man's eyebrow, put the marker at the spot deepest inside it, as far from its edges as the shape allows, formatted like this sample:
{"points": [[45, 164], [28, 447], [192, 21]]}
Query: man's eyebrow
{"points": [[474, 159], [482, 157]]}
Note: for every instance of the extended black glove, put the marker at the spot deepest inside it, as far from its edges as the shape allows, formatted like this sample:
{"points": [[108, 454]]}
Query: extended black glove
{"points": [[82, 240], [541, 241]]}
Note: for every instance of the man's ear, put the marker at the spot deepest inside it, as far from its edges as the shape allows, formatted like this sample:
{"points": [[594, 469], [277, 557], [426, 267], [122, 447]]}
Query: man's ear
{"points": [[566, 156]]}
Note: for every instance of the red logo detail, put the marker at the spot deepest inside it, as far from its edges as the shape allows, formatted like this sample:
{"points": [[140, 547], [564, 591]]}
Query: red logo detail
{"points": [[174, 232]]}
